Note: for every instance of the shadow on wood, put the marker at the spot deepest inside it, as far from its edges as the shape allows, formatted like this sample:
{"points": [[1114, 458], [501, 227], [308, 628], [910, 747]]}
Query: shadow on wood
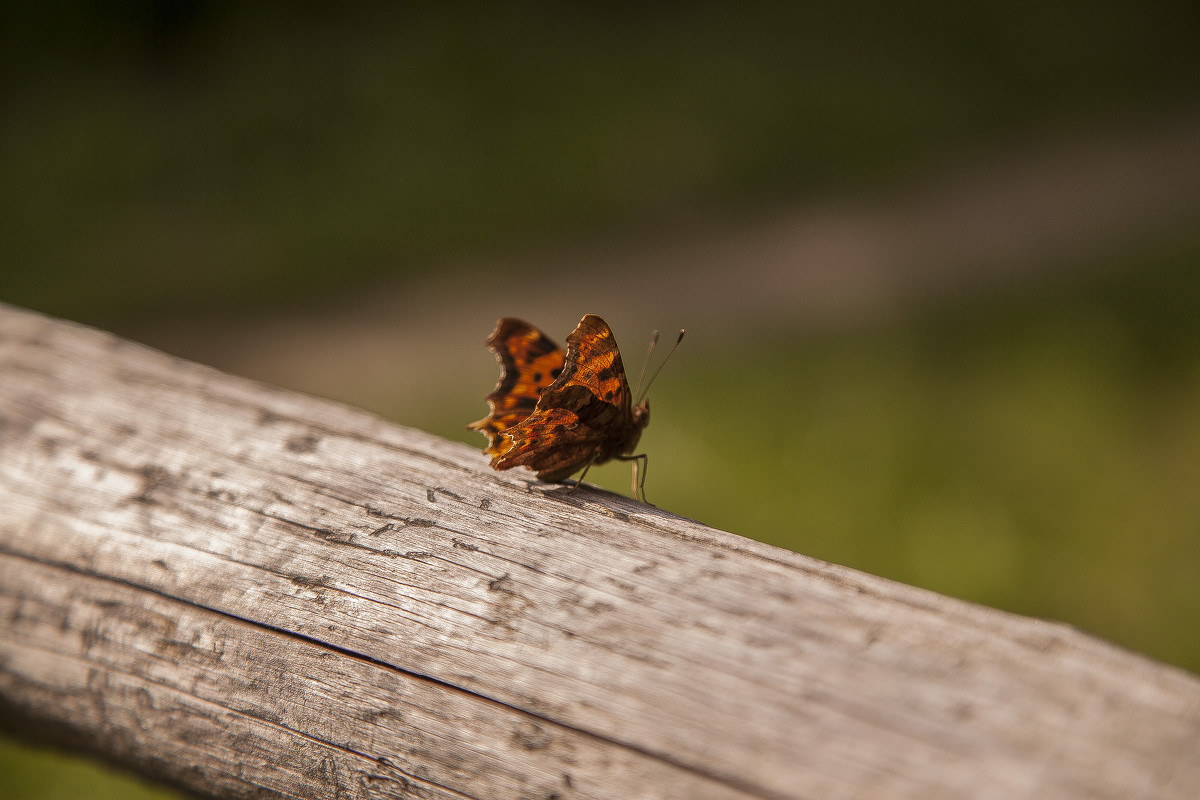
{"points": [[247, 592]]}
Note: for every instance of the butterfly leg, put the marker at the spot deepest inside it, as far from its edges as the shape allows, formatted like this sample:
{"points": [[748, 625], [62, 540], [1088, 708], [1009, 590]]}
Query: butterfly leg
{"points": [[639, 480], [579, 482]]}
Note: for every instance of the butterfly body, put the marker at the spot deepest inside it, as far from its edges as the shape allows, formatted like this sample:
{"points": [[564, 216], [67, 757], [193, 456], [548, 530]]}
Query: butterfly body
{"points": [[560, 413]]}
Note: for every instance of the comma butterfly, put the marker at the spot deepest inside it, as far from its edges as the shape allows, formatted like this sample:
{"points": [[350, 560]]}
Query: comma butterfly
{"points": [[556, 413]]}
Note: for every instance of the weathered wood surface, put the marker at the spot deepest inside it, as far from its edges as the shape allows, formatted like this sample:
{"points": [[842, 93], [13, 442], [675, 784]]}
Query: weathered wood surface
{"points": [[247, 592]]}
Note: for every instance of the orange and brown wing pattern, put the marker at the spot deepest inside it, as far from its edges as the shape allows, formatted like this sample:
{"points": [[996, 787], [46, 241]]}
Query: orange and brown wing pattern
{"points": [[593, 381], [529, 362], [552, 442], [582, 418]]}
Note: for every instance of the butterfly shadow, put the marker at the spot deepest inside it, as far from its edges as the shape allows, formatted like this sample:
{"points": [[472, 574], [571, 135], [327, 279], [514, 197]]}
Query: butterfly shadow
{"points": [[589, 496]]}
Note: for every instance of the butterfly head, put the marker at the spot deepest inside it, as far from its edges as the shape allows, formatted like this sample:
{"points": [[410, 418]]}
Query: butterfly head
{"points": [[641, 414], [641, 418]]}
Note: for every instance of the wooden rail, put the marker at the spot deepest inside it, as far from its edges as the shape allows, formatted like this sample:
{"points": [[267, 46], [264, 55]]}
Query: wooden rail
{"points": [[250, 593]]}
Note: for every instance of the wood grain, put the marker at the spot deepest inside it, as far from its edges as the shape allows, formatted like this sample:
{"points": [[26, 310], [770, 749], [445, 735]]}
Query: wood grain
{"points": [[248, 592]]}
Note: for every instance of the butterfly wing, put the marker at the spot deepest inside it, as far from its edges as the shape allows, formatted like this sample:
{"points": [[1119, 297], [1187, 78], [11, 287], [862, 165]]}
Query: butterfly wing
{"points": [[593, 377], [529, 362], [583, 417], [552, 442]]}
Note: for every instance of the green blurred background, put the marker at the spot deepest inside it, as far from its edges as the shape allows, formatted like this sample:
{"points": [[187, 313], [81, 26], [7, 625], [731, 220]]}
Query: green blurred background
{"points": [[940, 265]]}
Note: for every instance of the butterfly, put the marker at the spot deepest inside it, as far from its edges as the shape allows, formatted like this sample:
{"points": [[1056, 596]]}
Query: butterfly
{"points": [[561, 413]]}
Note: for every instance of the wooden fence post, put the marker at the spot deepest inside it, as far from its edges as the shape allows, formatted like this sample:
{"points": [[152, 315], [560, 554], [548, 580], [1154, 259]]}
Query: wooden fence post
{"points": [[246, 592]]}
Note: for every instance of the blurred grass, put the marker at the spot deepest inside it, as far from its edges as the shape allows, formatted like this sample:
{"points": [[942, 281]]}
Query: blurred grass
{"points": [[27, 773], [1036, 452], [272, 153]]}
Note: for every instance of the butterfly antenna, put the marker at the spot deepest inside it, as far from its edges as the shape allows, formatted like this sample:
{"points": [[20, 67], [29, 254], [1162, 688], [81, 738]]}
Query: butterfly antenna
{"points": [[646, 362], [654, 338]]}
